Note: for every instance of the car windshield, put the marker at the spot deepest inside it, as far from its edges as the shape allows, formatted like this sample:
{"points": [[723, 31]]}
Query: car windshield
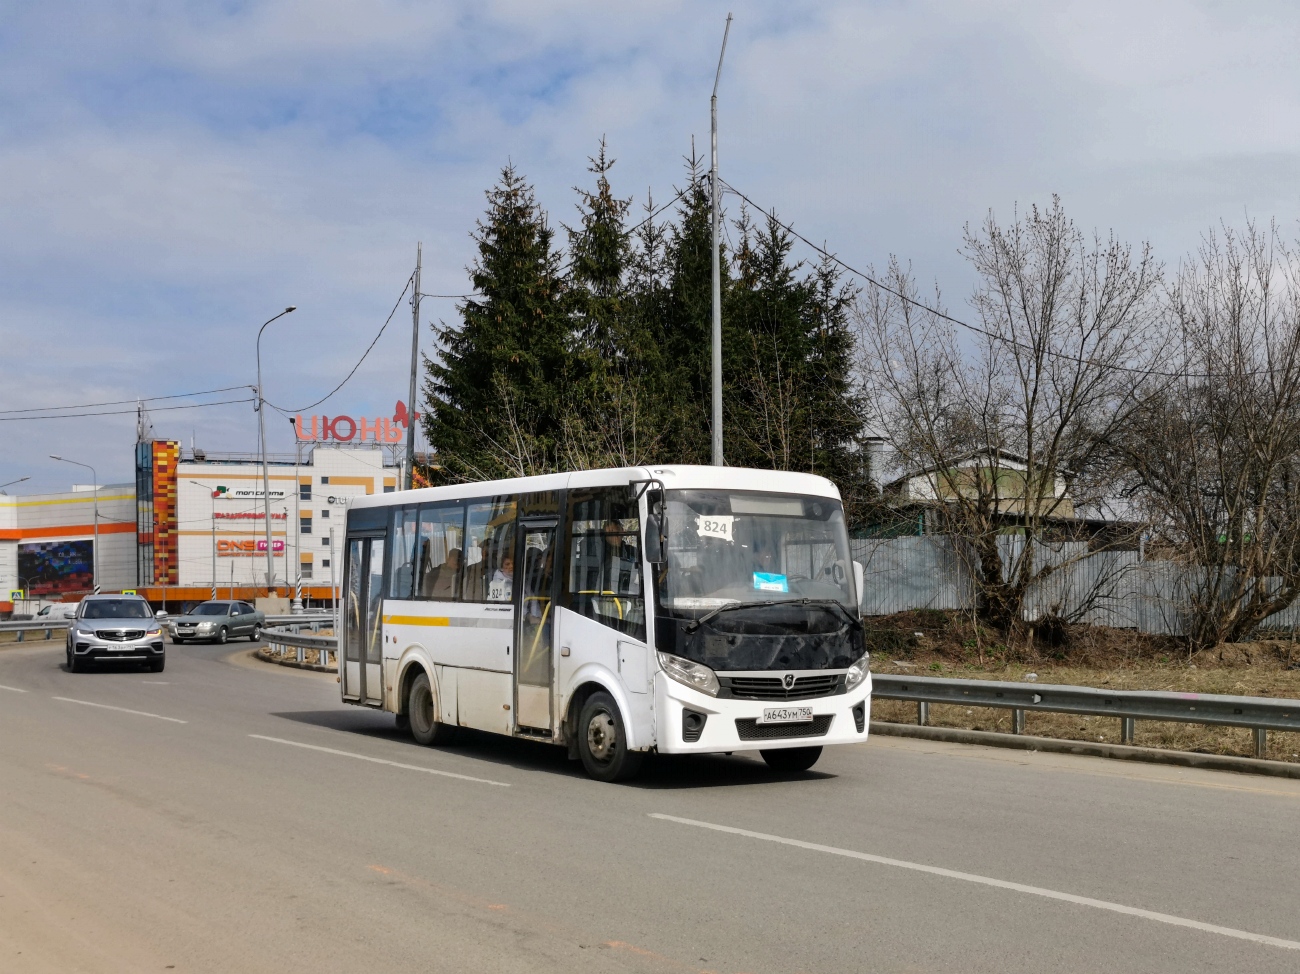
{"points": [[211, 609], [747, 548], [117, 609]]}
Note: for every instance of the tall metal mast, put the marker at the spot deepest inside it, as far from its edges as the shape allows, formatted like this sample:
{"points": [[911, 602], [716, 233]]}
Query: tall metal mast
{"points": [[717, 263], [415, 359]]}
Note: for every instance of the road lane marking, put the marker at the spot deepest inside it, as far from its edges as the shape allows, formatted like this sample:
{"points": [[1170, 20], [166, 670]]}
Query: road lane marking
{"points": [[1050, 894], [391, 764], [14, 689], [123, 710]]}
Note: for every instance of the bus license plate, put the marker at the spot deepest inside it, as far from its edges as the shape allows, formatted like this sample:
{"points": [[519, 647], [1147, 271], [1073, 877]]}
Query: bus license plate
{"points": [[786, 715]]}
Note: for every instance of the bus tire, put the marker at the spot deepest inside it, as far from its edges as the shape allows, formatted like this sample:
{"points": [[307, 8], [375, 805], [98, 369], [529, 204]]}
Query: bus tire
{"points": [[791, 760], [602, 741], [425, 727]]}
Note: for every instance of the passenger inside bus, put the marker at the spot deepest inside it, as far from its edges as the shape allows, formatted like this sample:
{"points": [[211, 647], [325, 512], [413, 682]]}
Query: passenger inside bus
{"points": [[442, 582], [503, 580]]}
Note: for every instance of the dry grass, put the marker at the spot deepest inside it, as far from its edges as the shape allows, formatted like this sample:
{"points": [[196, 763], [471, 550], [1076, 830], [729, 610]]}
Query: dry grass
{"points": [[946, 644]]}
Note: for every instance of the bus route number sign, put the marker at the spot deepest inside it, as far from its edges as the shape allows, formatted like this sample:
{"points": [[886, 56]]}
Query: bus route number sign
{"points": [[718, 526]]}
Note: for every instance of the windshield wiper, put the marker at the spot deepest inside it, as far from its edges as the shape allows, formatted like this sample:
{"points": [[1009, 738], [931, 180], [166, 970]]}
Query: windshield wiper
{"points": [[830, 603], [696, 623]]}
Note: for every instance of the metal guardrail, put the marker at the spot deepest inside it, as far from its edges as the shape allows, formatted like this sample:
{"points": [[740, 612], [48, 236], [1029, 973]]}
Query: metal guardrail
{"points": [[303, 619], [1260, 714], [24, 626], [51, 626], [282, 640]]}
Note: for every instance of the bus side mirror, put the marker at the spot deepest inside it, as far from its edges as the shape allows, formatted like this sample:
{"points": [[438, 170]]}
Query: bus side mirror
{"points": [[654, 541], [858, 575]]}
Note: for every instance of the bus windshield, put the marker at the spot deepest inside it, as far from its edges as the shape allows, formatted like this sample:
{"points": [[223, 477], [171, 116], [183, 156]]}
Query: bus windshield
{"points": [[743, 548]]}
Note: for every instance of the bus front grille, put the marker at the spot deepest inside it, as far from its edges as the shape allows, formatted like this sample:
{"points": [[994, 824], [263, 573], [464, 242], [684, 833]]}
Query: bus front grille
{"points": [[772, 687], [749, 729]]}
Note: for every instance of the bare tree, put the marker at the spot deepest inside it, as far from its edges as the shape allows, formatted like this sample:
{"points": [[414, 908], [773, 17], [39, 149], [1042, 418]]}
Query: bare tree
{"points": [[618, 436], [1002, 429], [1215, 455]]}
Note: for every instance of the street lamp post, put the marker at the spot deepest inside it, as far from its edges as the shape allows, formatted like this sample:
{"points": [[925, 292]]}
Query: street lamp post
{"points": [[212, 494], [297, 517], [94, 554], [12, 482], [716, 259], [266, 477]]}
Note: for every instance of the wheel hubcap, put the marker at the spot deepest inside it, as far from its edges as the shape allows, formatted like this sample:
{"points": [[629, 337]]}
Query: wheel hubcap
{"points": [[422, 711], [601, 737]]}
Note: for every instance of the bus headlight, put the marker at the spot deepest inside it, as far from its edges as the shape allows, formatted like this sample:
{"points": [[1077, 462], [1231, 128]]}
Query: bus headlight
{"points": [[697, 676], [857, 672]]}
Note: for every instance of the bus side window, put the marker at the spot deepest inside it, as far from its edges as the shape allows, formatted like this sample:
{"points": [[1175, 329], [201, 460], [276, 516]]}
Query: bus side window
{"points": [[441, 551], [489, 550], [401, 569], [604, 577]]}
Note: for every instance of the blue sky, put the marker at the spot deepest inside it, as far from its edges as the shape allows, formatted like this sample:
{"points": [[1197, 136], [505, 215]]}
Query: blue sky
{"points": [[172, 174]]}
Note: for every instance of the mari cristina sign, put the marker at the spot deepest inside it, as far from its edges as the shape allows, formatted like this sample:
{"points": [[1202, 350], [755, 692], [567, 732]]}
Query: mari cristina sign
{"points": [[248, 493], [346, 429]]}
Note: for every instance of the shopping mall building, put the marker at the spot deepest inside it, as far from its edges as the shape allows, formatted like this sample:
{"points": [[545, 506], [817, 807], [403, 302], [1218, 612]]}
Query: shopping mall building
{"points": [[193, 522]]}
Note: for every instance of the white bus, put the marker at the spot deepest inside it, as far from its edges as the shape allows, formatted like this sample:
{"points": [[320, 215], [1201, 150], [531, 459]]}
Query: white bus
{"points": [[679, 609]]}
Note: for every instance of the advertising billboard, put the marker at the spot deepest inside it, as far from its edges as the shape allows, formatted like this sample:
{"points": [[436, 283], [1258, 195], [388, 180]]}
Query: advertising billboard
{"points": [[56, 567]]}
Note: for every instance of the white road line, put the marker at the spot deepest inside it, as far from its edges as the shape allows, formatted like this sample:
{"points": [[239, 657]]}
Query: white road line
{"points": [[391, 764], [1050, 894], [14, 689], [123, 710]]}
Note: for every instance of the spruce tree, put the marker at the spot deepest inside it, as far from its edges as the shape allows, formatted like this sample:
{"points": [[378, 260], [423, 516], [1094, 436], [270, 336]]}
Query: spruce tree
{"points": [[790, 401], [495, 393], [685, 328]]}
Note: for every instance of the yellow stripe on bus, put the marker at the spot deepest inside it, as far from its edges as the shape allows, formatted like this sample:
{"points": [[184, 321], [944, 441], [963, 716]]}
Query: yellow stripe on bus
{"points": [[418, 620]]}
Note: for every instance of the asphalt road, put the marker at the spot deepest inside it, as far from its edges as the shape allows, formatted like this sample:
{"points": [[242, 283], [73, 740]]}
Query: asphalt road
{"points": [[233, 816]]}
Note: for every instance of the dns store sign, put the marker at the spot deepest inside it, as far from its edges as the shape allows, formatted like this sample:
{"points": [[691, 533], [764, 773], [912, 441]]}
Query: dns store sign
{"points": [[232, 549], [346, 429]]}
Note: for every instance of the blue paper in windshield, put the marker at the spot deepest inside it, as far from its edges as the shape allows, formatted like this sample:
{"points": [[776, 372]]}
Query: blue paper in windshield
{"points": [[767, 582]]}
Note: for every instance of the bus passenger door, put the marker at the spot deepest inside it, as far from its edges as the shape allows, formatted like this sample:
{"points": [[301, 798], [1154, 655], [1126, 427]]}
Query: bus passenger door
{"points": [[534, 625], [363, 592]]}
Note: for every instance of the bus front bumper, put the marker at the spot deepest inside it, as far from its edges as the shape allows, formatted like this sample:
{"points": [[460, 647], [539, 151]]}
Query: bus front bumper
{"points": [[690, 722]]}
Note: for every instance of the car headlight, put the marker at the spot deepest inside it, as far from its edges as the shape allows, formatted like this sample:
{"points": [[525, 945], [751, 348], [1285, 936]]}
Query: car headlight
{"points": [[697, 676], [84, 632], [205, 625], [858, 672], [154, 632]]}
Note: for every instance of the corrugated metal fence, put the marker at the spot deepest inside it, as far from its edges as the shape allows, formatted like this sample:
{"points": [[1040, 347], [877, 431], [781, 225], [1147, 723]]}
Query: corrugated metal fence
{"points": [[1108, 588]]}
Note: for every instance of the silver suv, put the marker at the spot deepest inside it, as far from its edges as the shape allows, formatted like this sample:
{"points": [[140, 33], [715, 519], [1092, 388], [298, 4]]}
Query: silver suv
{"points": [[117, 628]]}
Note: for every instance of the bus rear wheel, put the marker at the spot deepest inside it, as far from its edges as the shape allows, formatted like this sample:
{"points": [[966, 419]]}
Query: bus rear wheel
{"points": [[425, 727], [789, 760], [602, 741]]}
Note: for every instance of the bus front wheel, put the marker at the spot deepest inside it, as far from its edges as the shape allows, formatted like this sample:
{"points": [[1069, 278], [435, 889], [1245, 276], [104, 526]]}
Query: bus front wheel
{"points": [[425, 727], [602, 741]]}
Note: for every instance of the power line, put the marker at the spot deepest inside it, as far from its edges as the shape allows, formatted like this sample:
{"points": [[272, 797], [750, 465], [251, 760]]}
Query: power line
{"points": [[125, 412], [121, 402], [369, 347], [965, 324]]}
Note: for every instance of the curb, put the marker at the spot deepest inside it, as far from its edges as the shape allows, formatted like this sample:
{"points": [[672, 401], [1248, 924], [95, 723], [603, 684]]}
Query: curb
{"points": [[1123, 752], [316, 667]]}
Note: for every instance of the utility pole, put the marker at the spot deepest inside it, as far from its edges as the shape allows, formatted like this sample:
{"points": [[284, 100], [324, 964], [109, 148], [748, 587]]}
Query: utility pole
{"points": [[297, 517], [415, 359], [266, 476], [212, 498], [94, 552], [717, 263]]}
